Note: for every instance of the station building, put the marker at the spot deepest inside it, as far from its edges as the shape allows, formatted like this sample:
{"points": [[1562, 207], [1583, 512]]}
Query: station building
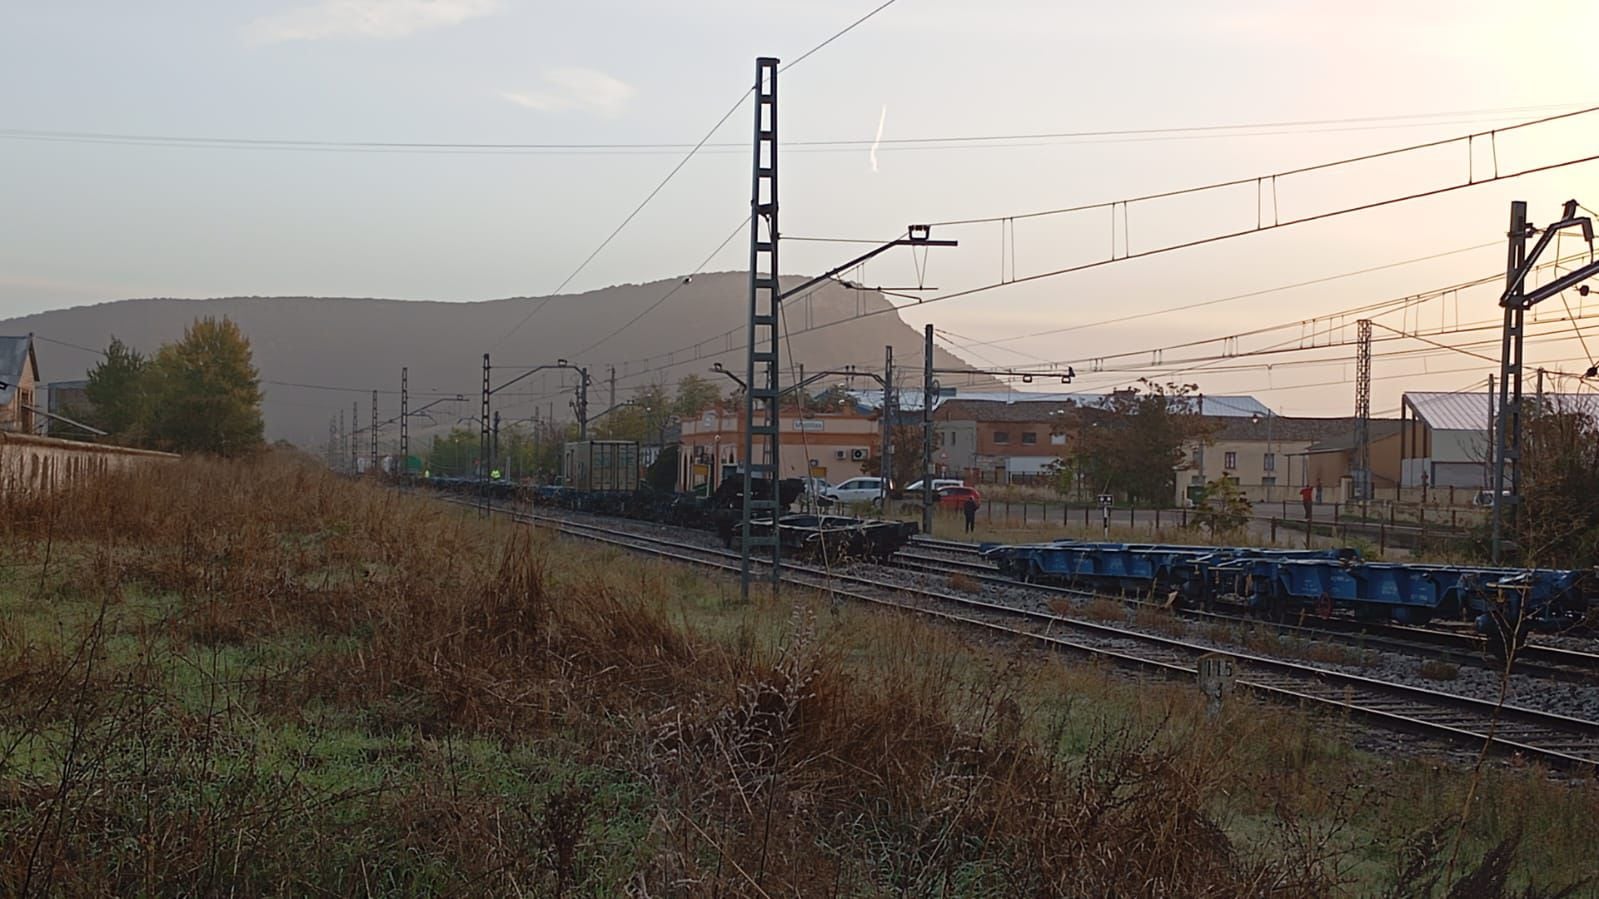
{"points": [[834, 444]]}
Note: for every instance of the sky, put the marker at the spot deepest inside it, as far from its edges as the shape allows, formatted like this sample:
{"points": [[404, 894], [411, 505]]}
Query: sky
{"points": [[91, 220]]}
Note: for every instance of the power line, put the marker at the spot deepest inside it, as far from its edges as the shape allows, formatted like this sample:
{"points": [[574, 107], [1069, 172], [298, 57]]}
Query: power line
{"points": [[953, 141], [626, 221], [1273, 176], [1123, 319], [1217, 238], [670, 293], [678, 168], [835, 36]]}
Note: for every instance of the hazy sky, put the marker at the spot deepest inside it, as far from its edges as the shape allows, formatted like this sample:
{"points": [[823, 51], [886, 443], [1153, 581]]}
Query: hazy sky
{"points": [[84, 222]]}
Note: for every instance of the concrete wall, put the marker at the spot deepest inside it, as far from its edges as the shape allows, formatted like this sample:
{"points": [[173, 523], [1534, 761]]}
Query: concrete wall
{"points": [[40, 464]]}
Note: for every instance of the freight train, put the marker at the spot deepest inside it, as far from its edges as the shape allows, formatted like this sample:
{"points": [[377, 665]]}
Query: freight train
{"points": [[1504, 603], [602, 479]]}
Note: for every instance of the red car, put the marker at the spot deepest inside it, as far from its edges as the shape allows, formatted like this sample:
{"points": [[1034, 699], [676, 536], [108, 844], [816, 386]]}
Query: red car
{"points": [[956, 497]]}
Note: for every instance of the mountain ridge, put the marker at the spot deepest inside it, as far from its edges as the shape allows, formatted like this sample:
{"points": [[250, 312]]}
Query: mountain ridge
{"points": [[318, 354]]}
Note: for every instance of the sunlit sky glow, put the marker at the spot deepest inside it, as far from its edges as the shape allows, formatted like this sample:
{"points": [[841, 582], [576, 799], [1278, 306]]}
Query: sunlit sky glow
{"points": [[86, 222]]}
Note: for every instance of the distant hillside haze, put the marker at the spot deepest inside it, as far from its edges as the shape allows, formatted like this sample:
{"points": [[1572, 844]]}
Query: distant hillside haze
{"points": [[361, 344]]}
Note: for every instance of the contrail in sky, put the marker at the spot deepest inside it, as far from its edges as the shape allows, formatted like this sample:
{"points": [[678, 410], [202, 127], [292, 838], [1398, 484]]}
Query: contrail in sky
{"points": [[879, 138]]}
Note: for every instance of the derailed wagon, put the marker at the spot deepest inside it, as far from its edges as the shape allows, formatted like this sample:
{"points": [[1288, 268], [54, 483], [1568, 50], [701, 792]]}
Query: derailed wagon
{"points": [[837, 537], [1504, 603]]}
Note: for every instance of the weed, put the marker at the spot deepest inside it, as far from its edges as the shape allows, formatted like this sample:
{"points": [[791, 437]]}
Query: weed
{"points": [[963, 583], [1439, 669]]}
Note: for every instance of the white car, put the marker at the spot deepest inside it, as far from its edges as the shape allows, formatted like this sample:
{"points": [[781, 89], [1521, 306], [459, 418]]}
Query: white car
{"points": [[854, 490], [938, 484]]}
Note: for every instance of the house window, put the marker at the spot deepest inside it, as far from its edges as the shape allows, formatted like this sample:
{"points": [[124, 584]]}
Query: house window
{"points": [[1229, 459], [1029, 437], [1269, 462], [1268, 482], [1002, 437]]}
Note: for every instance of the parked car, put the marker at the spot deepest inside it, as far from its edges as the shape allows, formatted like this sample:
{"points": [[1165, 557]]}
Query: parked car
{"points": [[1485, 498], [854, 490], [956, 497], [938, 484], [816, 486]]}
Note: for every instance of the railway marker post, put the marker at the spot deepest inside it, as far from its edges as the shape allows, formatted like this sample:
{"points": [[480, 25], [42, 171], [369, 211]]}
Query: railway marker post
{"points": [[1105, 499], [1216, 673]]}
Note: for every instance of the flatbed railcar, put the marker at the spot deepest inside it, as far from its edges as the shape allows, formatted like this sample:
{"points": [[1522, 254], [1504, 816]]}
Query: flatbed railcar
{"points": [[837, 537], [1503, 602], [830, 536]]}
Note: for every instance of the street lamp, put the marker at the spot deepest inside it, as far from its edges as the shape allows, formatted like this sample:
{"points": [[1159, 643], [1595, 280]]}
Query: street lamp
{"points": [[717, 368], [1254, 418]]}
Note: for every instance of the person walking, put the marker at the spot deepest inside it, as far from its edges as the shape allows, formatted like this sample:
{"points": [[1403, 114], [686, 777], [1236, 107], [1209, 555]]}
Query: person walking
{"points": [[1305, 494], [970, 508]]}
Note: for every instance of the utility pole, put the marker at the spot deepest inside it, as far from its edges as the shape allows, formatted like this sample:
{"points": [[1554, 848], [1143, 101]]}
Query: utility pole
{"points": [[355, 425], [483, 425], [1493, 443], [1507, 434], [762, 397], [1516, 300], [372, 460], [581, 406], [762, 414], [332, 454], [1363, 410], [612, 402], [929, 390], [405, 416], [886, 469]]}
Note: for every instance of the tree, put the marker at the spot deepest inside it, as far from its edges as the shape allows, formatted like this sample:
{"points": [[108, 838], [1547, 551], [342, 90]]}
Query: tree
{"points": [[1133, 441], [205, 392], [118, 393], [1223, 509], [644, 418], [907, 468], [1556, 523], [454, 454], [694, 395]]}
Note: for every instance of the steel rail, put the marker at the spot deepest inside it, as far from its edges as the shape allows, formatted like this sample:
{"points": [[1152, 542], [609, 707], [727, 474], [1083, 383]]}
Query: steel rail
{"points": [[1558, 740], [1551, 662]]}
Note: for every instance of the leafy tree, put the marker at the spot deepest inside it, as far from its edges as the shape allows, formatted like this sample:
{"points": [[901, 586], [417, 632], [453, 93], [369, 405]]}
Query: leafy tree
{"points": [[1557, 521], [532, 452], [118, 392], [907, 468], [694, 395], [206, 393], [454, 454], [1223, 509], [1133, 441]]}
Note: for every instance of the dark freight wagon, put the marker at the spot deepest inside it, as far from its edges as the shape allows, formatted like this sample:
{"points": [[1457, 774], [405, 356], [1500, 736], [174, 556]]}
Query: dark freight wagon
{"points": [[601, 466]]}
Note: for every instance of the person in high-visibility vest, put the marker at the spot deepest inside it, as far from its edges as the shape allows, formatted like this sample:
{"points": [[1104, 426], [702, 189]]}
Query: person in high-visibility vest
{"points": [[495, 474]]}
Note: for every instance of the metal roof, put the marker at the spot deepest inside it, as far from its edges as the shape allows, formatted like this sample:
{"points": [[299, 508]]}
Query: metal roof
{"points": [[1472, 411], [14, 354]]}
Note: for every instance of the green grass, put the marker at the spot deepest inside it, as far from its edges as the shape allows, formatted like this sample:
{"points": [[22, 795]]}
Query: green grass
{"points": [[313, 686]]}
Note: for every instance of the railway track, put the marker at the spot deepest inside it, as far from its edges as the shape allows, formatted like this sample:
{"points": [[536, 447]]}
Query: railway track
{"points": [[1554, 663], [1557, 740]]}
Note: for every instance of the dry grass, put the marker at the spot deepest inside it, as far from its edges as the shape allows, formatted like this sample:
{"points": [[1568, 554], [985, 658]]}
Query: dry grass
{"points": [[964, 583], [255, 678], [1102, 608], [1438, 669]]}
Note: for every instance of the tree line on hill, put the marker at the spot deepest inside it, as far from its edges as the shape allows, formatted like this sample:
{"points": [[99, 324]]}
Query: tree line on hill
{"points": [[198, 394]]}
